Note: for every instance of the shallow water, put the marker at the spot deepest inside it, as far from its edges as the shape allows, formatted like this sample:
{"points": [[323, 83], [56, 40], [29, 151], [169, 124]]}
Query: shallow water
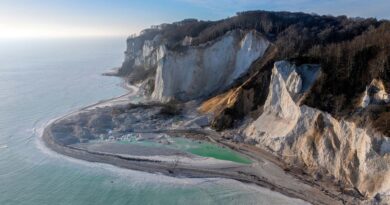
{"points": [[206, 149], [44, 79], [196, 147]]}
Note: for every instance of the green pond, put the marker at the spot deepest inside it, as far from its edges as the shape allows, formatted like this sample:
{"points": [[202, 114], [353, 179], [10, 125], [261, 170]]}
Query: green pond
{"points": [[196, 147]]}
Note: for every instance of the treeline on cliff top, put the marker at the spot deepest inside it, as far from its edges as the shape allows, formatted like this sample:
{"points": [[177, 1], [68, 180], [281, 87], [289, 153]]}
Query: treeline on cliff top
{"points": [[310, 28], [351, 51]]}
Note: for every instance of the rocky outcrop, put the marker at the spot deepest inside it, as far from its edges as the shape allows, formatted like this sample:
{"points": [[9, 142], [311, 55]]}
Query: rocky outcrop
{"points": [[375, 94], [314, 140]]}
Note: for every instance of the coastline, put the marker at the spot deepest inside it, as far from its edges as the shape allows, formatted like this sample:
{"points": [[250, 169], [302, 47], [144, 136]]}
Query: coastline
{"points": [[266, 171]]}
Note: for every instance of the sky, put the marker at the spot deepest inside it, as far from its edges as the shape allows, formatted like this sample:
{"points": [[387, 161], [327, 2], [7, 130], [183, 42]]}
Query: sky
{"points": [[81, 18]]}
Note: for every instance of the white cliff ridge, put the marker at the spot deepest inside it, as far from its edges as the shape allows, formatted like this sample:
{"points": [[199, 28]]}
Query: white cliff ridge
{"points": [[315, 140], [280, 111]]}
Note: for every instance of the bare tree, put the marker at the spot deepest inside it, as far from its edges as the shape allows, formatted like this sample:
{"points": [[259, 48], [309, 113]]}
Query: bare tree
{"points": [[175, 163]]}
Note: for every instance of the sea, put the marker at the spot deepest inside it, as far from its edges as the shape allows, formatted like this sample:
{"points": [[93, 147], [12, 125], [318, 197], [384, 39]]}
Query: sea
{"points": [[43, 79]]}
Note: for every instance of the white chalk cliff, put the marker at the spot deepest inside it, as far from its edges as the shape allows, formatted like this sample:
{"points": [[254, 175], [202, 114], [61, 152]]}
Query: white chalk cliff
{"points": [[193, 71], [201, 70], [140, 58], [305, 136]]}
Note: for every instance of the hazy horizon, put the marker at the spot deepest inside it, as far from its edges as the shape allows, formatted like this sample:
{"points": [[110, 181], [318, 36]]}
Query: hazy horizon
{"points": [[101, 18]]}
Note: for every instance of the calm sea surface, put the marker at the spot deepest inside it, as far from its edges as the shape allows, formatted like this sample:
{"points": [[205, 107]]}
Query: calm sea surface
{"points": [[44, 79]]}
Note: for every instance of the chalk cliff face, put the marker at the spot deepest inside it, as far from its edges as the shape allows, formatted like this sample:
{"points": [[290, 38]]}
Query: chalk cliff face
{"points": [[314, 139], [140, 58], [199, 71], [192, 71]]}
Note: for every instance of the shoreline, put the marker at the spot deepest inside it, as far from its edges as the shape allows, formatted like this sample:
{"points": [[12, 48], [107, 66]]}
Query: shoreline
{"points": [[267, 177]]}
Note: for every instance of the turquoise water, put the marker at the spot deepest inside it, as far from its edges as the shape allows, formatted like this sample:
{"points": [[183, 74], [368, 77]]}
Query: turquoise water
{"points": [[41, 80], [206, 149], [196, 147]]}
